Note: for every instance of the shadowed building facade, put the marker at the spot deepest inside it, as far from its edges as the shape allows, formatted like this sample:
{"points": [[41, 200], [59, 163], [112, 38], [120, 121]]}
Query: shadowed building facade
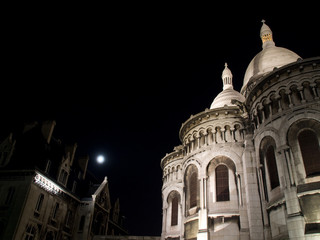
{"points": [[249, 167], [46, 191]]}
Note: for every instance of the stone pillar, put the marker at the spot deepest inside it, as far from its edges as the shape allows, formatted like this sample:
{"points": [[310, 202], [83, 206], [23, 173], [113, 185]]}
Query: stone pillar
{"points": [[203, 214], [278, 98], [288, 93], [295, 220], [251, 187], [206, 139], [164, 223], [315, 94], [300, 89]]}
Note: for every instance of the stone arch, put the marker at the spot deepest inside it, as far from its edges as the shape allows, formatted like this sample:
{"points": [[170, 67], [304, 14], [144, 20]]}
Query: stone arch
{"points": [[274, 97], [265, 103], [229, 134], [202, 135], [284, 99], [222, 160], [293, 133], [268, 165], [295, 94], [219, 134], [191, 183], [230, 153], [214, 204], [237, 132], [308, 93], [291, 119], [268, 132], [174, 209]]}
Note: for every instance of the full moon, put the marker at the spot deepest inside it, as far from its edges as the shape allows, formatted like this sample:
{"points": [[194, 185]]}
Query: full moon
{"points": [[100, 159]]}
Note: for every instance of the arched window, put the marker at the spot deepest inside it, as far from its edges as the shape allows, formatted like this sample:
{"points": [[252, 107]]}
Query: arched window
{"points": [[309, 147], [222, 183], [272, 167], [63, 177], [193, 189], [174, 211]]}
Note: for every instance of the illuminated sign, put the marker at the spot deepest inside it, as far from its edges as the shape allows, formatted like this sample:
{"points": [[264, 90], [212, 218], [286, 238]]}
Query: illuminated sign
{"points": [[47, 184]]}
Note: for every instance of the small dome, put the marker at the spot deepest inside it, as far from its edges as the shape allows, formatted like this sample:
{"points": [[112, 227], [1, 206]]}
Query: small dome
{"points": [[225, 97], [228, 94], [269, 58]]}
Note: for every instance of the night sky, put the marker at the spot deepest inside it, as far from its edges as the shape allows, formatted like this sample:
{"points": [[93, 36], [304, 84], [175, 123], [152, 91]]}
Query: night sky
{"points": [[120, 80]]}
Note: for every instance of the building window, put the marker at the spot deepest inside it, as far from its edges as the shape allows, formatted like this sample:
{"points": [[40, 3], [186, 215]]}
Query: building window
{"points": [[309, 147], [63, 177], [39, 202], [193, 189], [272, 167], [174, 211], [55, 211], [68, 218], [30, 233], [222, 183]]}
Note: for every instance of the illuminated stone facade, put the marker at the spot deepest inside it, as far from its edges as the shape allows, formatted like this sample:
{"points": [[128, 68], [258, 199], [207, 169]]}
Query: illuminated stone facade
{"points": [[249, 167], [47, 193]]}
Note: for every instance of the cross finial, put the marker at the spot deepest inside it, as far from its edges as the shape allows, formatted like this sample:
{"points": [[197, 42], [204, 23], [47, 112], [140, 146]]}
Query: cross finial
{"points": [[225, 64], [263, 21]]}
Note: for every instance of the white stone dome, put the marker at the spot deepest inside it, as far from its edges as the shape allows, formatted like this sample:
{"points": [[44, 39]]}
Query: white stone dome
{"points": [[228, 94], [225, 97], [269, 58]]}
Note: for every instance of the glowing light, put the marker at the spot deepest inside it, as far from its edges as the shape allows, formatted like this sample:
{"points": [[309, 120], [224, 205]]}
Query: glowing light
{"points": [[47, 184], [100, 159]]}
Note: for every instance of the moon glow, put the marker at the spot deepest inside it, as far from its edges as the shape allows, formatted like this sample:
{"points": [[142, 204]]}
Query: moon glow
{"points": [[100, 159]]}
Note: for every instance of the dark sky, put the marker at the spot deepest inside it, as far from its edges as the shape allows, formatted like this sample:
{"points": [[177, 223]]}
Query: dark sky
{"points": [[120, 80]]}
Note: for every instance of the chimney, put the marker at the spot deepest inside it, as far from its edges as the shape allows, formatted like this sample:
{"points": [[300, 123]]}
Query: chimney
{"points": [[72, 150], [47, 129], [83, 163]]}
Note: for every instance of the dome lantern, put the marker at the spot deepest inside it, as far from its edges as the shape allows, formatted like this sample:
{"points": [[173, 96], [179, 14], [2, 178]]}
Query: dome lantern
{"points": [[228, 94], [269, 58], [266, 35], [227, 77]]}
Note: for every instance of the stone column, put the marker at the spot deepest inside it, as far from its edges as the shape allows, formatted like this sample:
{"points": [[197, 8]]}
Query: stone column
{"points": [[203, 214], [278, 98], [314, 90], [295, 219], [300, 89], [164, 223], [252, 199]]}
